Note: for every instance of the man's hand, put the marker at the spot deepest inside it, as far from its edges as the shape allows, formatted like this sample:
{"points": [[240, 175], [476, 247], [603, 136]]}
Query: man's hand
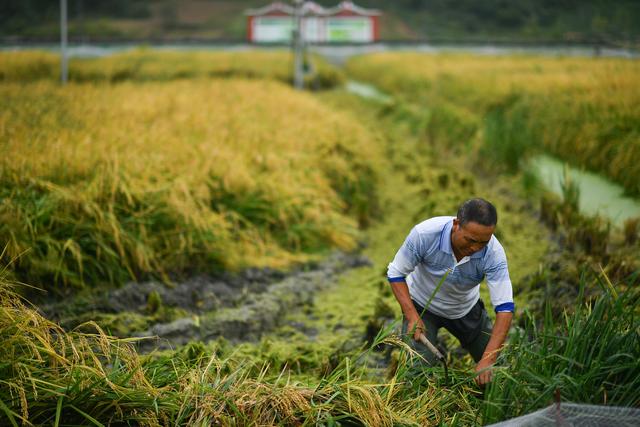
{"points": [[484, 368], [416, 326], [484, 371]]}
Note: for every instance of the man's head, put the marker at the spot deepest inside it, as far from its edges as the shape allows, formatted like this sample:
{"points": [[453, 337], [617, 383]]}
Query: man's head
{"points": [[473, 227]]}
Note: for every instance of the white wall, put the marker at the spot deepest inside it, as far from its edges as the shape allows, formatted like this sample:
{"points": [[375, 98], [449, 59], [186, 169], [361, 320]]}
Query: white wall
{"points": [[313, 29], [356, 29], [343, 29], [272, 29]]}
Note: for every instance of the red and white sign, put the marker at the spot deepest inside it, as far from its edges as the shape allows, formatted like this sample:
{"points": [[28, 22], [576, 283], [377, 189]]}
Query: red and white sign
{"points": [[345, 23]]}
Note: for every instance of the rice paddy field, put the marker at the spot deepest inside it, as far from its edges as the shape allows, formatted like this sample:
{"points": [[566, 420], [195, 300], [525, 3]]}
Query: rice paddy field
{"points": [[583, 110], [137, 179], [186, 240], [143, 64]]}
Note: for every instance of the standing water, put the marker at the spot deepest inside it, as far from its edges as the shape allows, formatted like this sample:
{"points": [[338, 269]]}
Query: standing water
{"points": [[597, 194], [367, 91]]}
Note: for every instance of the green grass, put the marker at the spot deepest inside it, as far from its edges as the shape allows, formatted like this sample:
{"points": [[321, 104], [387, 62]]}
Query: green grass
{"points": [[590, 356]]}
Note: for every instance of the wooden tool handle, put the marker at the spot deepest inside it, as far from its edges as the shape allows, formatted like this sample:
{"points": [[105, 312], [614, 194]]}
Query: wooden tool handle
{"points": [[431, 347]]}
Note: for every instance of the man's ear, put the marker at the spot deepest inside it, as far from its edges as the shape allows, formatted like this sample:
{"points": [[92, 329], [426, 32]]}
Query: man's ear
{"points": [[456, 223]]}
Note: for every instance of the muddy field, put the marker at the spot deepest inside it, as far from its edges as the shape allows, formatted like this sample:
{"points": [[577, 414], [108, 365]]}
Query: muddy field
{"points": [[237, 307]]}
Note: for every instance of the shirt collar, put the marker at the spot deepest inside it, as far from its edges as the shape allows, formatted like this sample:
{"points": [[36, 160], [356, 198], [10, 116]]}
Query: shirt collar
{"points": [[445, 242], [445, 238], [481, 253]]}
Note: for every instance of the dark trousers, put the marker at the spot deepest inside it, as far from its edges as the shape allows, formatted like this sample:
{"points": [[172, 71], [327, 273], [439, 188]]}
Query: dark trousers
{"points": [[473, 331]]}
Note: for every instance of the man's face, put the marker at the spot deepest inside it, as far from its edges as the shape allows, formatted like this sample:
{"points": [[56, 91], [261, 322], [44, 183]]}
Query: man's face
{"points": [[470, 238]]}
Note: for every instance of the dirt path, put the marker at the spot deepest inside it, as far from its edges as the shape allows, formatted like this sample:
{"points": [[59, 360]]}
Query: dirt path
{"points": [[238, 307]]}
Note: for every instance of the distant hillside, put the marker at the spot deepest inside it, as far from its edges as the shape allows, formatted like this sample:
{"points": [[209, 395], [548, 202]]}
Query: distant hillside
{"points": [[616, 22]]}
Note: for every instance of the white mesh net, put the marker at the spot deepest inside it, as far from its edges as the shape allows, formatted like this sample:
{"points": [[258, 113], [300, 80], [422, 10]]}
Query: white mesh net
{"points": [[574, 415]]}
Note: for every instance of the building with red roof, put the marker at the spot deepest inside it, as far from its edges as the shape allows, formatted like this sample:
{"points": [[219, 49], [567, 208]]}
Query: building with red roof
{"points": [[344, 23]]}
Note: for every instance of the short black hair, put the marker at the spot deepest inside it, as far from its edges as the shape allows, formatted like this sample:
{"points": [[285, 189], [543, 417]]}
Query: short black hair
{"points": [[477, 210]]}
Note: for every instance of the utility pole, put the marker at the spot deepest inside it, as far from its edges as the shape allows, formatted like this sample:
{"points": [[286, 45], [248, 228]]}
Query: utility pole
{"points": [[298, 72], [63, 40]]}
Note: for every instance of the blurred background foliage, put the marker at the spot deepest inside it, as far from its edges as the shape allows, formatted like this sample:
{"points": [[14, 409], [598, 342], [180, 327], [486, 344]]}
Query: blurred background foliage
{"points": [[595, 21]]}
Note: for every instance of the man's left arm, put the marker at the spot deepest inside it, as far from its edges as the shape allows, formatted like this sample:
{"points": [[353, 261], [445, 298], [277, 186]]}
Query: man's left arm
{"points": [[498, 337], [501, 292]]}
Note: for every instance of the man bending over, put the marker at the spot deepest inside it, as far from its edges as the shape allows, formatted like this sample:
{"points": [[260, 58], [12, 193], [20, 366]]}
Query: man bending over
{"points": [[463, 250]]}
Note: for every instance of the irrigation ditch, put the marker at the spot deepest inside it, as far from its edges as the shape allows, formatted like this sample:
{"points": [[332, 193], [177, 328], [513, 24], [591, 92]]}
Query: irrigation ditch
{"points": [[596, 194]]}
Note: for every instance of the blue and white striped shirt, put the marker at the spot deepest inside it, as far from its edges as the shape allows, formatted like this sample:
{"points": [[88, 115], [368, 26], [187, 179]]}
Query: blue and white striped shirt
{"points": [[426, 256]]}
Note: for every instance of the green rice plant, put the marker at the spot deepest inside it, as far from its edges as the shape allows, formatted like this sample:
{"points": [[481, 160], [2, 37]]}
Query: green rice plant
{"points": [[449, 126], [590, 234], [630, 230], [47, 374], [590, 355], [507, 139], [570, 193]]}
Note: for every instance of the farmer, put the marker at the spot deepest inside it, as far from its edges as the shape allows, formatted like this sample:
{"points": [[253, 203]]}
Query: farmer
{"points": [[463, 251]]}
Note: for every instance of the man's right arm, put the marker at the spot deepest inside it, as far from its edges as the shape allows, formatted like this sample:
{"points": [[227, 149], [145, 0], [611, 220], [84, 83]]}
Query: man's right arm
{"points": [[402, 265], [415, 324]]}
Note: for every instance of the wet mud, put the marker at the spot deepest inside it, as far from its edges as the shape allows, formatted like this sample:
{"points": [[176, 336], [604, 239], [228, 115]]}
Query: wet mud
{"points": [[240, 307]]}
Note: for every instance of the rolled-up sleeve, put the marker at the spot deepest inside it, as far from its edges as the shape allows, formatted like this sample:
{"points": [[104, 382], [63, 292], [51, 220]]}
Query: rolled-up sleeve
{"points": [[406, 258], [499, 282]]}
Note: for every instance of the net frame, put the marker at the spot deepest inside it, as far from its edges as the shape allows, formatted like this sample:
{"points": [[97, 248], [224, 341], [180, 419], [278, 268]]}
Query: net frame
{"points": [[575, 414]]}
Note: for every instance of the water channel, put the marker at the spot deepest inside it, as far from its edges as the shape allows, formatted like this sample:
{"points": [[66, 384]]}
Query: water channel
{"points": [[598, 195]]}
